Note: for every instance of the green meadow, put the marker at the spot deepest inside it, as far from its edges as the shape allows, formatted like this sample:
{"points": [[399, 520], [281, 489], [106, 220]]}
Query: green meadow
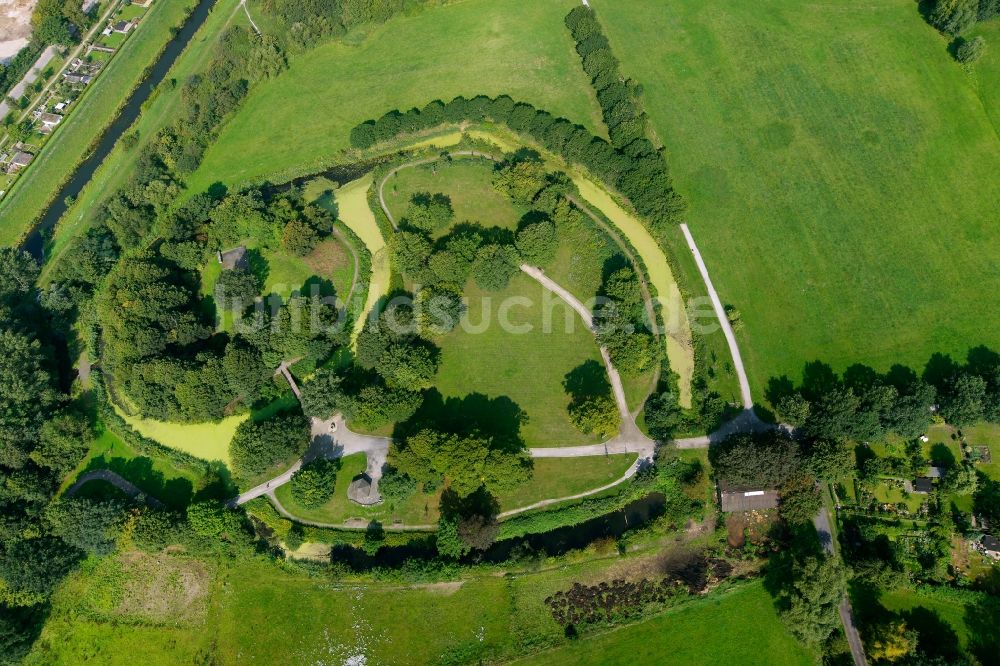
{"points": [[491, 47], [840, 170]]}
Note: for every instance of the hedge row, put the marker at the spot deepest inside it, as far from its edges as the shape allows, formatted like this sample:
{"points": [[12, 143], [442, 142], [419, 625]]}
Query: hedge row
{"points": [[617, 96], [641, 177]]}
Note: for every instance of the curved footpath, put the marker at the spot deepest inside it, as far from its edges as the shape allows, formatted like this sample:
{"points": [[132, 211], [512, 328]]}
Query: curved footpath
{"points": [[333, 439], [117, 481]]}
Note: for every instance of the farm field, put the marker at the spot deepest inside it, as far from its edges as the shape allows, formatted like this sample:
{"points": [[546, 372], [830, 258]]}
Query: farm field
{"points": [[468, 48], [804, 138], [714, 630], [24, 203]]}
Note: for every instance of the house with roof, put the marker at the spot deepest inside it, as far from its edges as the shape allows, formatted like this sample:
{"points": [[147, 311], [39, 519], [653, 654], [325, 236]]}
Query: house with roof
{"points": [[922, 485], [20, 160], [234, 259], [733, 499], [123, 27], [363, 491], [991, 546]]}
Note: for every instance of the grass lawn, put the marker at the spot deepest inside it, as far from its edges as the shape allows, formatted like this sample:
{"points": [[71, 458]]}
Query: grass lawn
{"points": [[887, 494], [113, 41], [154, 476], [526, 368], [838, 166], [353, 210], [475, 47], [421, 509], [985, 74], [940, 447], [467, 181], [208, 441], [952, 613], [738, 627], [986, 434], [91, 114], [562, 477]]}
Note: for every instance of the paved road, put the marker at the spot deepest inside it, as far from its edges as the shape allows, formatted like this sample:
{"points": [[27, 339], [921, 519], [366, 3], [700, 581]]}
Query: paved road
{"points": [[117, 481], [330, 439], [720, 312], [822, 523]]}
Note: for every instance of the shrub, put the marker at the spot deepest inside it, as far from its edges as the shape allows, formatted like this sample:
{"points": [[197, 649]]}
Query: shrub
{"points": [[258, 446], [313, 485], [323, 396], [429, 212], [595, 414], [969, 51], [536, 242]]}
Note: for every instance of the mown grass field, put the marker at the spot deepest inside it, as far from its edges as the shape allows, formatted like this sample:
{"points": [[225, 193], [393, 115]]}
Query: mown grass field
{"points": [[468, 182], [469, 48], [739, 627], [839, 168], [98, 106], [529, 367]]}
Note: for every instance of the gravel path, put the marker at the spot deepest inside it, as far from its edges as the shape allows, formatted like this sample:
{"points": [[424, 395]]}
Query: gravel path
{"points": [[720, 312], [117, 481], [822, 524]]}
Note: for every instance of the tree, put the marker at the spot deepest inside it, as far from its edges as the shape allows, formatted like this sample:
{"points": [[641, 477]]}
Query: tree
{"points": [[449, 544], [890, 641], [521, 181], [34, 566], [90, 526], [536, 242], [829, 459], [663, 415], [439, 309], [834, 414], [63, 442], [494, 266], [954, 16], [245, 371], [314, 483], [595, 414], [408, 364], [963, 402], [377, 405], [53, 30], [429, 212], [811, 599], [793, 409], [467, 462], [258, 446], [27, 393], [800, 499], [962, 479], [969, 51], [299, 237], [478, 532], [764, 460], [396, 487], [323, 395], [237, 289], [410, 252]]}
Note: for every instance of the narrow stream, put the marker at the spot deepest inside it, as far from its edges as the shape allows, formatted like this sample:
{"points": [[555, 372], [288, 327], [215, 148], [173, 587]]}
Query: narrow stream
{"points": [[34, 243]]}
